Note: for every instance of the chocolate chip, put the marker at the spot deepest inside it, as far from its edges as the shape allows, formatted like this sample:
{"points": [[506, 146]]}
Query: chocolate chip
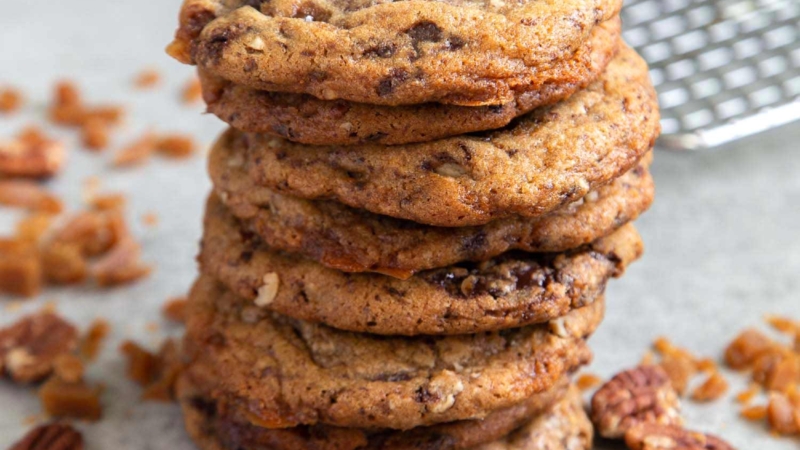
{"points": [[474, 243], [219, 41], [383, 50], [455, 43], [423, 395], [425, 31], [203, 406], [388, 84]]}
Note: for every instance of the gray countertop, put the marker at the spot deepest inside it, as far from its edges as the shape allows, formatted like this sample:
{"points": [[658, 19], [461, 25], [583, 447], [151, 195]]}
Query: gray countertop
{"points": [[723, 238]]}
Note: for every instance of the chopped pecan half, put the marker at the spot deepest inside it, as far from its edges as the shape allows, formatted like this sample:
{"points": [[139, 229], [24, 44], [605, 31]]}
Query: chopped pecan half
{"points": [[643, 394], [653, 436], [53, 436], [30, 347]]}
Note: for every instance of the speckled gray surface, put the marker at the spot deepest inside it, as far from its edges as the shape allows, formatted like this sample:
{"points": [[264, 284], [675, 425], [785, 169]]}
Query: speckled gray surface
{"points": [[723, 239]]}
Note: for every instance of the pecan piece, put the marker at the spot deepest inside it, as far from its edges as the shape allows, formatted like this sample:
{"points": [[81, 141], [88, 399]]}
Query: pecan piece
{"points": [[32, 155], [653, 436], [53, 436], [642, 394], [30, 347]]}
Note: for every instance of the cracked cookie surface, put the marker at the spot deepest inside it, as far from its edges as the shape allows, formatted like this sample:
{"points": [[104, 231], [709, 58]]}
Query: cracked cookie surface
{"points": [[461, 52], [291, 372], [352, 240], [509, 291], [308, 120], [543, 161]]}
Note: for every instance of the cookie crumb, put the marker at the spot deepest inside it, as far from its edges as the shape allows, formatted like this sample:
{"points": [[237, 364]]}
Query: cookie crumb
{"points": [[108, 202], [147, 78], [754, 413], [68, 367]]}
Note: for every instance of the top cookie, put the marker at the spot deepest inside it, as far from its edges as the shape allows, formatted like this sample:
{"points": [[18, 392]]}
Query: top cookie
{"points": [[461, 52], [306, 119]]}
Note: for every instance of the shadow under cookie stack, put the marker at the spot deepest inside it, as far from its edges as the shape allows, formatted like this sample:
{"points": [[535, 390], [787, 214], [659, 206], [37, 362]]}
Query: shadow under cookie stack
{"points": [[414, 217]]}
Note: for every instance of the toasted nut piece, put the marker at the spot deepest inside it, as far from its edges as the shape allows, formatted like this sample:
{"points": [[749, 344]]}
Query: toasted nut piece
{"points": [[192, 91], [92, 342], [29, 195], [642, 394], [147, 78], [680, 369], [269, 290], [142, 364], [69, 368], [712, 389], [744, 350], [30, 347], [63, 263], [53, 436], [74, 400], [137, 152], [33, 227], [31, 155], [175, 146], [10, 100], [783, 417], [66, 94], [20, 268], [121, 265], [754, 413], [95, 232], [652, 436], [108, 202], [95, 134], [588, 381], [175, 309]]}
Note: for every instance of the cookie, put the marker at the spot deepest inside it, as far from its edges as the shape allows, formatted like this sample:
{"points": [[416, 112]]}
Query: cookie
{"points": [[541, 162], [509, 291], [306, 119], [394, 53], [216, 425], [565, 427], [352, 240], [290, 372]]}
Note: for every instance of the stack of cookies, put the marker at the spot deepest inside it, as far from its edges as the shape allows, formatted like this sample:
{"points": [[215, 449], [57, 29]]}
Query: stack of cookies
{"points": [[413, 221]]}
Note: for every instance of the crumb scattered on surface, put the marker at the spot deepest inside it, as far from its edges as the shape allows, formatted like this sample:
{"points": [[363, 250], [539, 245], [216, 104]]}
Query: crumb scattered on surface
{"points": [[108, 202], [150, 219], [192, 91], [588, 381], [95, 134], [176, 145], [147, 78], [29, 195], [92, 342], [63, 399], [175, 310], [20, 268], [137, 152], [10, 100], [156, 373]]}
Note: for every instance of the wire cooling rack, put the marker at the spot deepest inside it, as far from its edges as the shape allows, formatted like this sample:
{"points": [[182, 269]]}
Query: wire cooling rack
{"points": [[724, 69]]}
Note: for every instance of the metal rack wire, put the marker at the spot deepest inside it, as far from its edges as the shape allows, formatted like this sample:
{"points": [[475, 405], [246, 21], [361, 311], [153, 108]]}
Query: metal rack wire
{"points": [[724, 69]]}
